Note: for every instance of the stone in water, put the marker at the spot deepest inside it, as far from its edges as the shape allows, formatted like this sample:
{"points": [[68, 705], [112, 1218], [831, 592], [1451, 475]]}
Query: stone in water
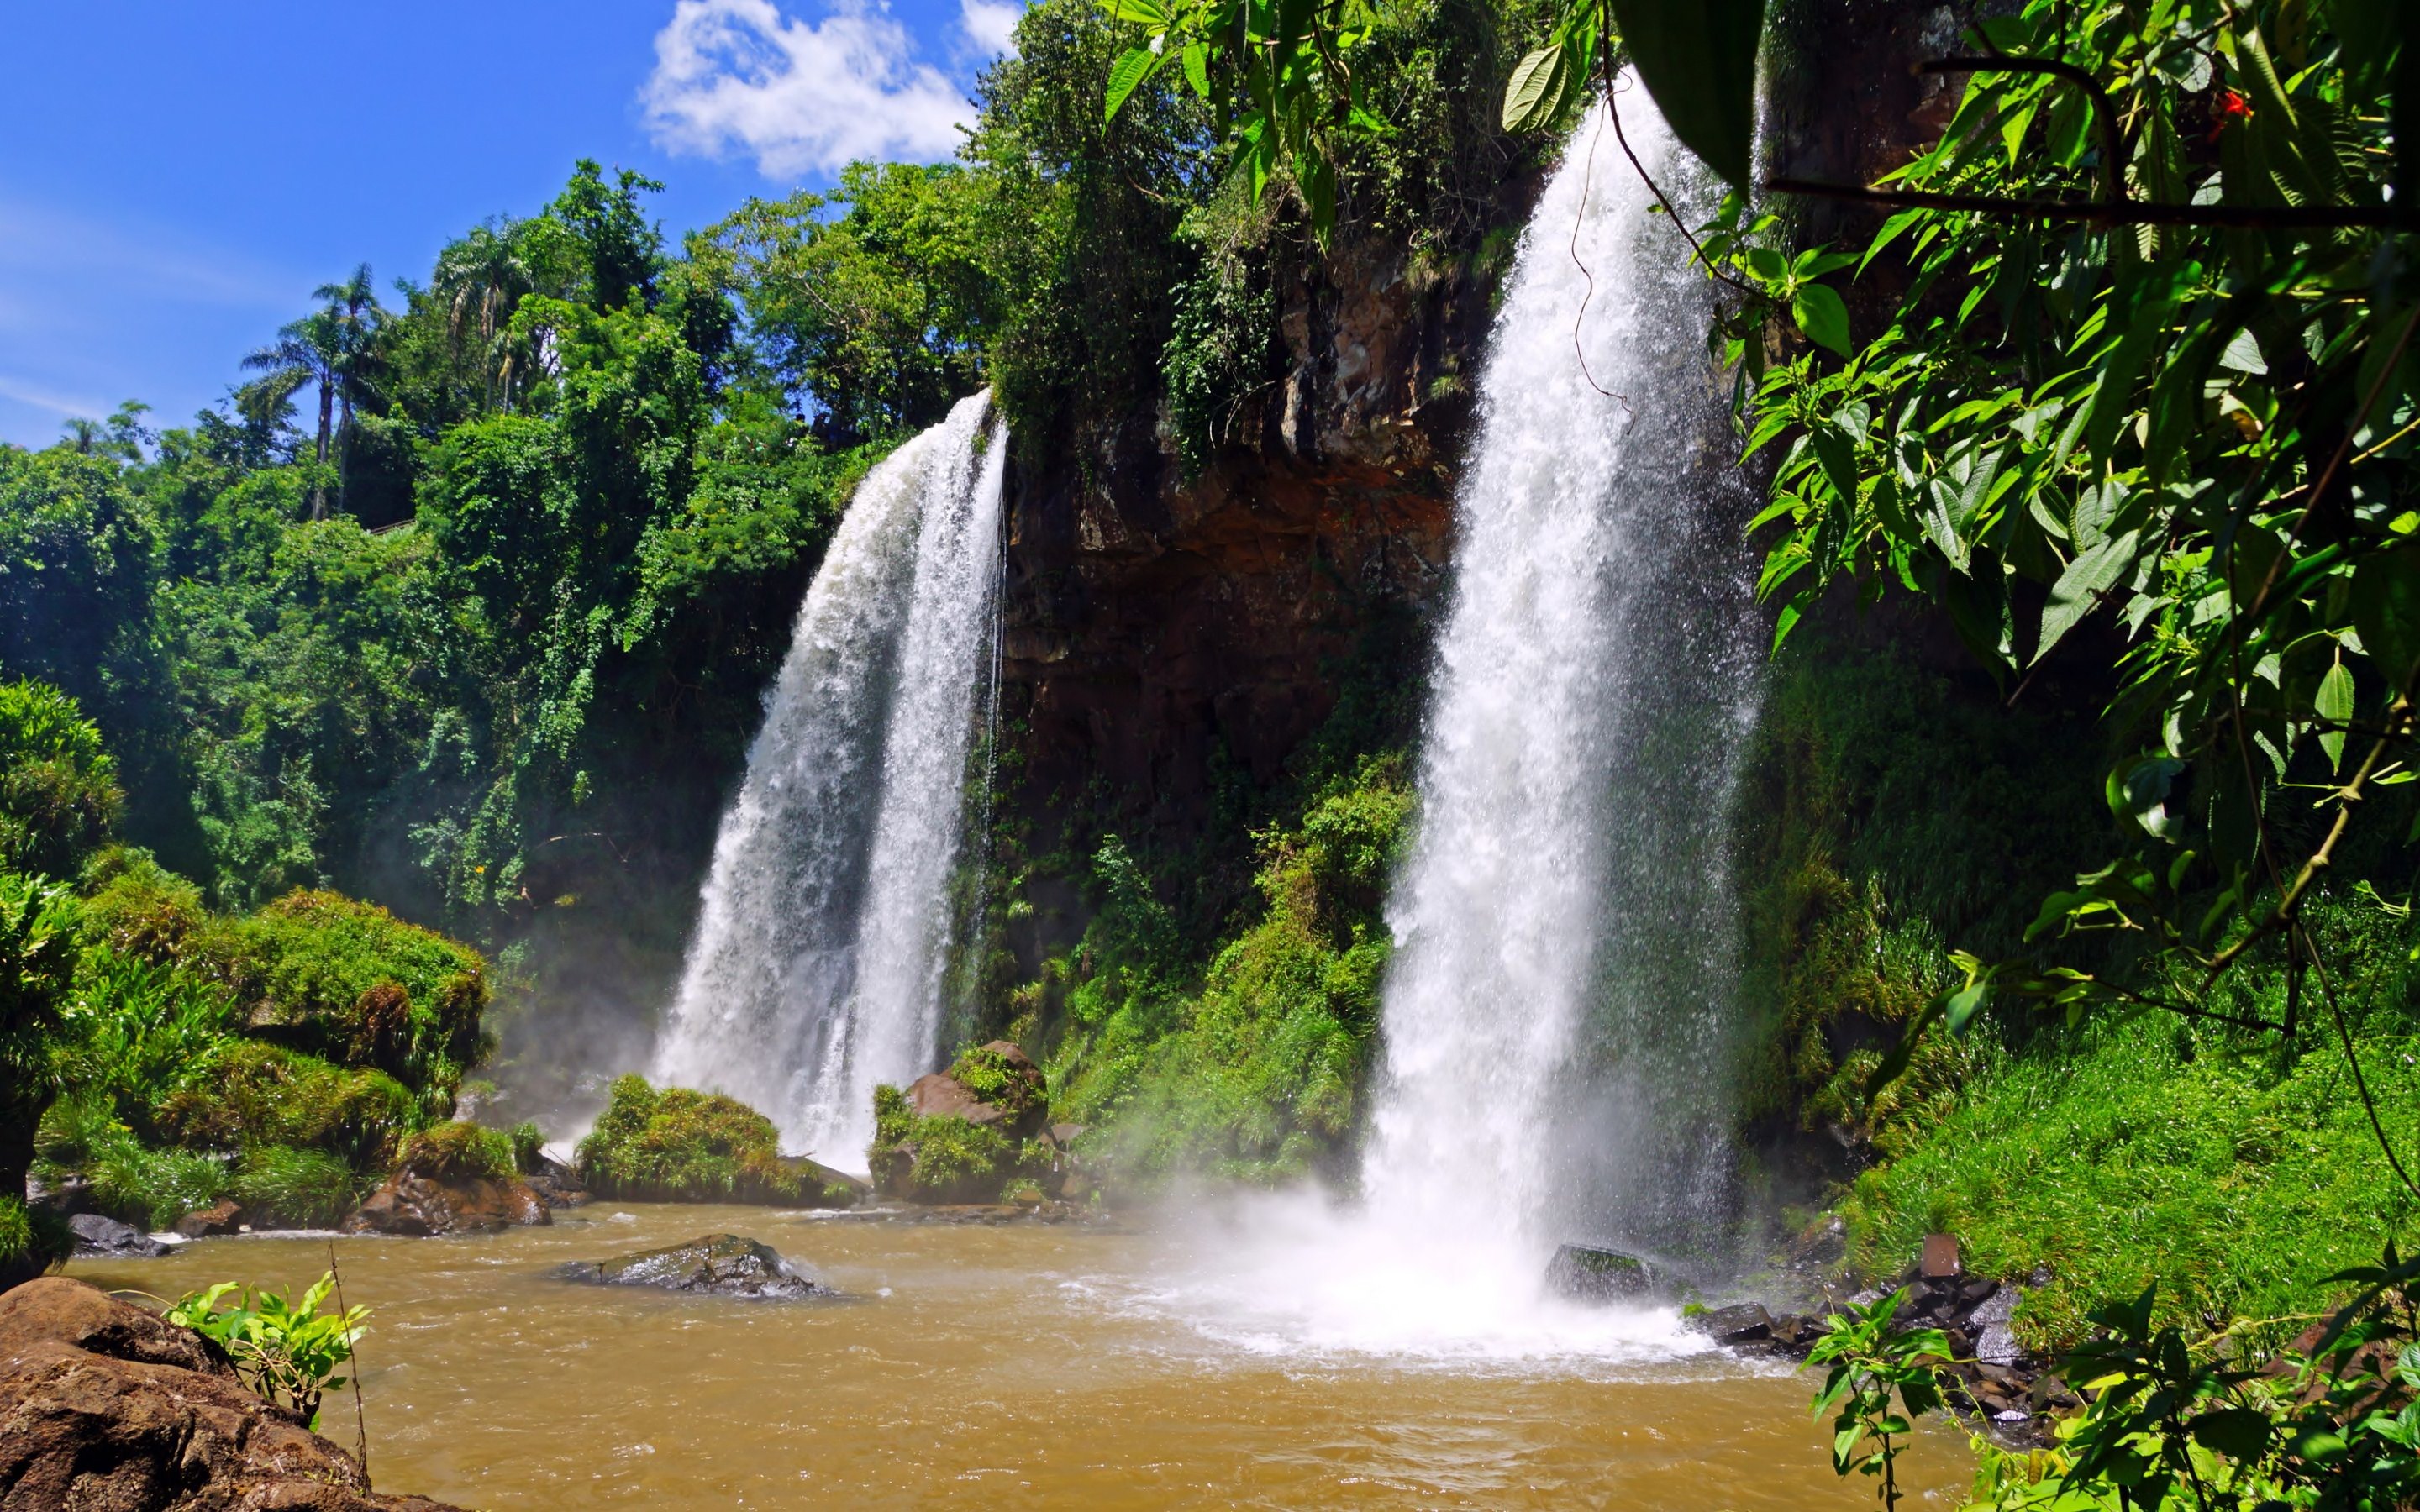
{"points": [[1586, 1273]]}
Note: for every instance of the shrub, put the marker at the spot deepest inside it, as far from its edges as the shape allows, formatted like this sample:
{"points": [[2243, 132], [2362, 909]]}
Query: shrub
{"points": [[284, 1187], [58, 788], [144, 1031], [529, 1147], [153, 1188], [458, 1152], [137, 907], [32, 1239], [675, 1145], [349, 982], [943, 1158], [265, 1094]]}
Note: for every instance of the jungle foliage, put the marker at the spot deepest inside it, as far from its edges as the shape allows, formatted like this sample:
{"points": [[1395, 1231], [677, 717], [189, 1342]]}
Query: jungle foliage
{"points": [[2136, 395]]}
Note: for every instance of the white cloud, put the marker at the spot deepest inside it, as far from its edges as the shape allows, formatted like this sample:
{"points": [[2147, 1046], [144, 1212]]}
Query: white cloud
{"points": [[738, 75], [990, 24]]}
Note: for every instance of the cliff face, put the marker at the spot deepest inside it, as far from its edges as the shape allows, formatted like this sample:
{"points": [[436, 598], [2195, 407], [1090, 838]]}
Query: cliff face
{"points": [[1154, 622]]}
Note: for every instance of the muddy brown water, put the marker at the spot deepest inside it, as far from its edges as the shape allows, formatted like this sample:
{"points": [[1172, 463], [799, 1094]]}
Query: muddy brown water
{"points": [[1024, 1365]]}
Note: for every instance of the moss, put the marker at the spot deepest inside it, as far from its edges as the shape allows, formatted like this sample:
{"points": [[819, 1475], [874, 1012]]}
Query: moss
{"points": [[675, 1145], [137, 907], [265, 1094], [460, 1151]]}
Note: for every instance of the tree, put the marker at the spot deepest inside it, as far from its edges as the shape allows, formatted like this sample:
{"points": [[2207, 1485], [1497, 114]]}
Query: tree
{"points": [[306, 352]]}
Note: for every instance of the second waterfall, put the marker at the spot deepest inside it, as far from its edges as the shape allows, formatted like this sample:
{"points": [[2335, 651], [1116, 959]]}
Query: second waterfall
{"points": [[817, 967]]}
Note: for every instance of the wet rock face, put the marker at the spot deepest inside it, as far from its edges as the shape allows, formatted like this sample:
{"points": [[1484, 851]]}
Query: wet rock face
{"points": [[106, 1406], [1156, 624], [723, 1265], [412, 1204]]}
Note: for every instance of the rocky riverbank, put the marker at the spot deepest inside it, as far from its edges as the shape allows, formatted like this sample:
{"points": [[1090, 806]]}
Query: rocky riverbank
{"points": [[103, 1405]]}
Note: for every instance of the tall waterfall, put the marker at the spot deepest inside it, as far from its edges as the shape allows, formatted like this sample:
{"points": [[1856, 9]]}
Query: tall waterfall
{"points": [[817, 967], [1554, 1018]]}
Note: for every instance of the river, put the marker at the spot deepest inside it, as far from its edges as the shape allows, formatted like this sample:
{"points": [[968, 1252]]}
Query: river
{"points": [[1018, 1366]]}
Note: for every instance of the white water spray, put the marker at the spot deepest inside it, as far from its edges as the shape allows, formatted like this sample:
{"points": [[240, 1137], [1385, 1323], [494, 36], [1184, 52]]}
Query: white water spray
{"points": [[1555, 1011], [817, 967]]}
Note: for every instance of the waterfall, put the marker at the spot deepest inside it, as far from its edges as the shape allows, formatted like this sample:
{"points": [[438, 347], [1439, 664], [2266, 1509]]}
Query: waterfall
{"points": [[1554, 1017], [1556, 1012], [824, 926]]}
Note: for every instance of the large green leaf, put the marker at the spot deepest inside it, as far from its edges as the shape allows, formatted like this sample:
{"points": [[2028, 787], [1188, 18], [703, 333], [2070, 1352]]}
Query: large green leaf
{"points": [[1538, 86], [2387, 610], [1697, 58], [1133, 67]]}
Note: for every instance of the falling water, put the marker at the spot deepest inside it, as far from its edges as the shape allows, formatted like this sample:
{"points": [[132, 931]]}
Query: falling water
{"points": [[1556, 1012], [1554, 1015], [815, 968]]}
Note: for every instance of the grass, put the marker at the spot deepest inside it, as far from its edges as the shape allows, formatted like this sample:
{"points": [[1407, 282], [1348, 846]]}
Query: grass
{"points": [[2132, 1154], [460, 1151], [281, 1187]]}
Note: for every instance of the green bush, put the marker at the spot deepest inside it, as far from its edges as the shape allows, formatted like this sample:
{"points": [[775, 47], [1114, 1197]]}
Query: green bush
{"points": [[1257, 1075], [32, 1239], [675, 1145], [458, 1152], [137, 907], [351, 982], [953, 1160], [153, 1188], [144, 1032], [283, 1187], [265, 1094], [59, 787], [529, 1147]]}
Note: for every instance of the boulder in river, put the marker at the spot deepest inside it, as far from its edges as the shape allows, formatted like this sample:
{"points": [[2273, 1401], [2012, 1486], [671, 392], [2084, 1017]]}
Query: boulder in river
{"points": [[1585, 1272], [99, 1238], [413, 1205], [724, 1265], [1744, 1322], [109, 1406], [221, 1218]]}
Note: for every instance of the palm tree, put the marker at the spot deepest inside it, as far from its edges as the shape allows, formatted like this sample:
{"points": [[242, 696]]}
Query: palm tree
{"points": [[334, 348], [306, 352], [82, 434], [482, 278]]}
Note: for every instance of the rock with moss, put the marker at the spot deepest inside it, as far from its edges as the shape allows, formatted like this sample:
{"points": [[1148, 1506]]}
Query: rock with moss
{"points": [[723, 1265], [675, 1145], [266, 1094], [455, 1177], [965, 1134]]}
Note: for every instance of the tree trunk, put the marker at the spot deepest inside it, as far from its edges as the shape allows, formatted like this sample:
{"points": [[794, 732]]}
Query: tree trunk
{"points": [[320, 484]]}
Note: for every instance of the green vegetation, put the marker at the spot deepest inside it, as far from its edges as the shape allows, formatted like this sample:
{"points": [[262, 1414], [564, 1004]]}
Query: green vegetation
{"points": [[938, 1159], [1254, 1068], [460, 1151], [675, 1145], [287, 1352]]}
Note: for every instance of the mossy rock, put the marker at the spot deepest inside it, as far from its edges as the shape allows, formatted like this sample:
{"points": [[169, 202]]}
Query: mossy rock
{"points": [[675, 1145], [266, 1094]]}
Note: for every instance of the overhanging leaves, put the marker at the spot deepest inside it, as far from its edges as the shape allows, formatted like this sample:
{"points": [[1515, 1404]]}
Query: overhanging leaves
{"points": [[1698, 59]]}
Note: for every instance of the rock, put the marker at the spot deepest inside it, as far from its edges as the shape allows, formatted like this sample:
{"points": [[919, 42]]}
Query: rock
{"points": [[725, 1265], [99, 1238], [1063, 1135], [840, 1188], [110, 1407], [216, 1221], [1587, 1274], [1740, 1323], [943, 1096], [413, 1205], [1995, 1341], [556, 1184], [1940, 1261]]}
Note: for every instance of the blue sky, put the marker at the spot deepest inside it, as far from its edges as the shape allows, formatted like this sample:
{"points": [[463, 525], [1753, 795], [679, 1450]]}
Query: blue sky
{"points": [[176, 177]]}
